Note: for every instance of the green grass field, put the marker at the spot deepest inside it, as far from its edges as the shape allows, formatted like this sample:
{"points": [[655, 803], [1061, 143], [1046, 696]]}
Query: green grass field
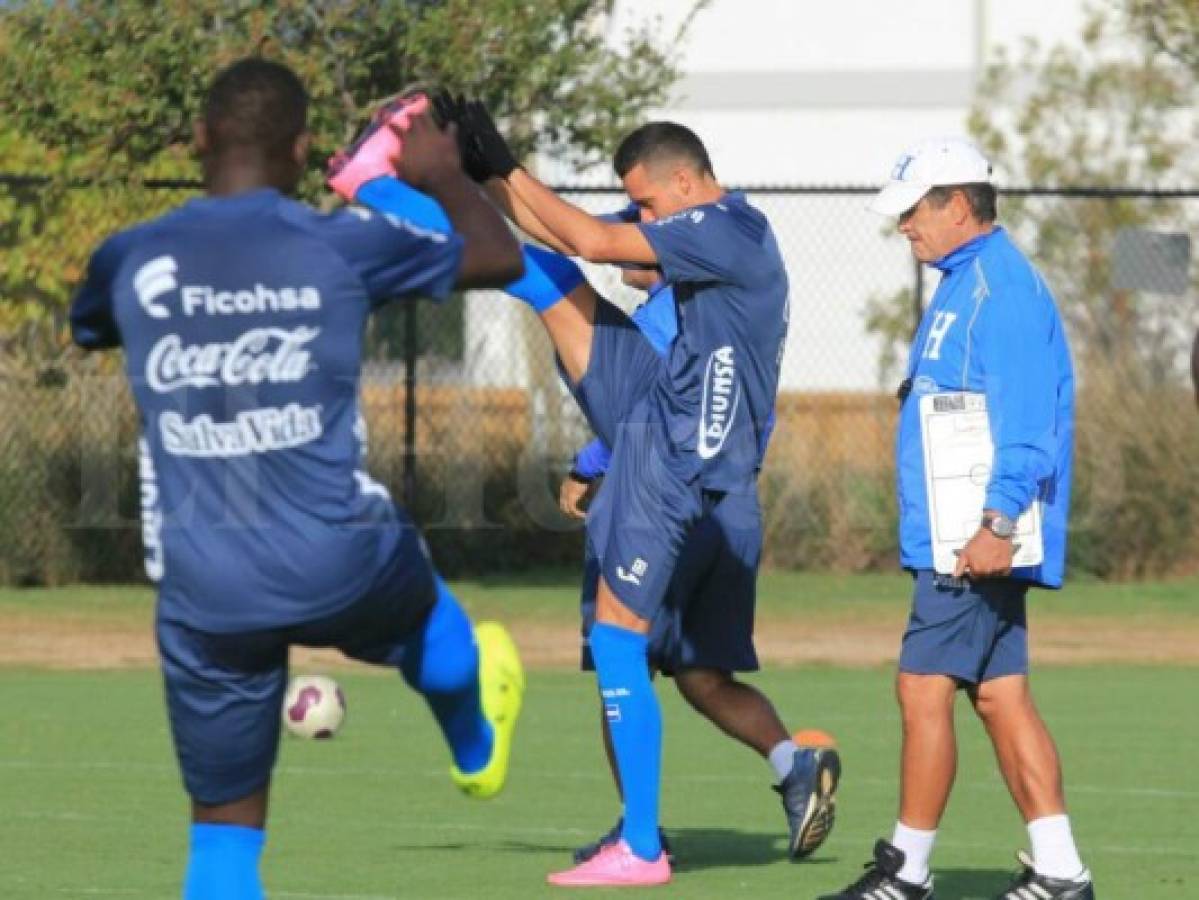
{"points": [[92, 805]]}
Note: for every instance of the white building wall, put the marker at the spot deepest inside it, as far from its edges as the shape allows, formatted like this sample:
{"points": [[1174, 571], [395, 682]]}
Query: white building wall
{"points": [[786, 92]]}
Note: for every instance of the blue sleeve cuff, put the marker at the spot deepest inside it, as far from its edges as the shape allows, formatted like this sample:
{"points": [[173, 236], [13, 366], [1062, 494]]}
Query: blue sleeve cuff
{"points": [[593, 460], [999, 501], [548, 278], [388, 194]]}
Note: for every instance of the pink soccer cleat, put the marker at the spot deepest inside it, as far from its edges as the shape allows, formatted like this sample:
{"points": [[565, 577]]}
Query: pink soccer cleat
{"points": [[616, 865], [376, 151]]}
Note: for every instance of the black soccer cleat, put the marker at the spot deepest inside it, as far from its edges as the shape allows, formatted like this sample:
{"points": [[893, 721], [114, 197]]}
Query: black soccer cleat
{"points": [[809, 798], [587, 851], [881, 880], [1028, 885]]}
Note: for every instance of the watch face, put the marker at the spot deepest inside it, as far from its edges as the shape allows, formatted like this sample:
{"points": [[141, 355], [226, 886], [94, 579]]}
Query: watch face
{"points": [[1001, 526]]}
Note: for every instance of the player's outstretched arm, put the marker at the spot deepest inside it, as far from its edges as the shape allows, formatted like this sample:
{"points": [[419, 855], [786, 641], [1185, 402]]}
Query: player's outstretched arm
{"points": [[93, 326], [591, 238], [523, 217], [490, 256], [535, 207]]}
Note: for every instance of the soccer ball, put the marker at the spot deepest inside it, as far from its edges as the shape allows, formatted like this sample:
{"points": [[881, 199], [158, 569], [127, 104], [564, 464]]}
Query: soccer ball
{"points": [[314, 707], [814, 737]]}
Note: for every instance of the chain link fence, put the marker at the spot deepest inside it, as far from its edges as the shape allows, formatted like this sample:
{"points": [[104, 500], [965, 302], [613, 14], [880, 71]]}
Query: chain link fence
{"points": [[472, 430]]}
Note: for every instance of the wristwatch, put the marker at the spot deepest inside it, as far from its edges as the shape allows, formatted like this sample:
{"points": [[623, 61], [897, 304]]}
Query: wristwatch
{"points": [[999, 525]]}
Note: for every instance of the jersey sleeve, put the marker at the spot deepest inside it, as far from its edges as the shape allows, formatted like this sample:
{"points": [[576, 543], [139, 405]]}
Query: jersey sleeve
{"points": [[388, 194], [592, 460], [395, 257], [697, 245], [93, 325]]}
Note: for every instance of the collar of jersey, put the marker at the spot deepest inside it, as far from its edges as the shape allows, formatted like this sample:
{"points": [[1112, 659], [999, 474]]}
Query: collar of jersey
{"points": [[245, 198], [957, 258]]}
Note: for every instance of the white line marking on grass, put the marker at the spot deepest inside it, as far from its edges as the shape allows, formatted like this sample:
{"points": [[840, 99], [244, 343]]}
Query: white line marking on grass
{"points": [[438, 774]]}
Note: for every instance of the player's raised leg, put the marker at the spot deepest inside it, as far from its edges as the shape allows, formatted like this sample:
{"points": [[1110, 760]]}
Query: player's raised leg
{"points": [[473, 683], [470, 677]]}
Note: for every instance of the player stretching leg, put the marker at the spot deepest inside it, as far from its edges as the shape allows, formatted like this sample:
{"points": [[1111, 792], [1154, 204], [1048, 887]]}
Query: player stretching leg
{"points": [[710, 600], [704, 632], [241, 315], [685, 433]]}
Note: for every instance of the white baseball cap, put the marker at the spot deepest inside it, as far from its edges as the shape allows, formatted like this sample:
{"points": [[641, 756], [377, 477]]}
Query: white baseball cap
{"points": [[930, 163]]}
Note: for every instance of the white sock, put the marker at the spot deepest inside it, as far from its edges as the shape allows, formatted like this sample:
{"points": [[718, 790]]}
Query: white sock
{"points": [[1053, 851], [917, 847], [782, 758]]}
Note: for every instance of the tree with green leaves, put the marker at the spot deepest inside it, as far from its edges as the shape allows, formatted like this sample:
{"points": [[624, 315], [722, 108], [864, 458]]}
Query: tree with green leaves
{"points": [[99, 96], [106, 91], [1117, 111], [1117, 114]]}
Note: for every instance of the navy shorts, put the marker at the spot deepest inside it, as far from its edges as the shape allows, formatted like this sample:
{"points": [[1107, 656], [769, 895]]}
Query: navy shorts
{"points": [[624, 366], [707, 618], [972, 631], [640, 519], [224, 692]]}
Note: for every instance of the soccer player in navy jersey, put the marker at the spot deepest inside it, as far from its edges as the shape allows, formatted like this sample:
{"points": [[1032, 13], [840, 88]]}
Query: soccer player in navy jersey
{"points": [[703, 631], [241, 315], [685, 431]]}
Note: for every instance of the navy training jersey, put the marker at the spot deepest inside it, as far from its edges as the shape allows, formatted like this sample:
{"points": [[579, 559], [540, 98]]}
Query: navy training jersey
{"points": [[242, 320], [718, 389]]}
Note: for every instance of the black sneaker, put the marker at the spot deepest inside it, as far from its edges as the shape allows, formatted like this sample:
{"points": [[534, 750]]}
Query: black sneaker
{"points": [[882, 882], [587, 851], [809, 798], [1028, 885]]}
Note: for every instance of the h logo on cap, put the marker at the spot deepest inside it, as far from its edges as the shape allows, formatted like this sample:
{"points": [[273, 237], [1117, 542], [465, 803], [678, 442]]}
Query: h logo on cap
{"points": [[901, 167]]}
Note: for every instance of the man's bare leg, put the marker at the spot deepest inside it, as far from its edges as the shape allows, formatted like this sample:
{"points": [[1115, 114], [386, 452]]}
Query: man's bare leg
{"points": [[1032, 769], [224, 848], [739, 710], [249, 812], [928, 766]]}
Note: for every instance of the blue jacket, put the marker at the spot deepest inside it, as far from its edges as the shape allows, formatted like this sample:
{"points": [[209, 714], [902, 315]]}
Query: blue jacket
{"points": [[992, 327]]}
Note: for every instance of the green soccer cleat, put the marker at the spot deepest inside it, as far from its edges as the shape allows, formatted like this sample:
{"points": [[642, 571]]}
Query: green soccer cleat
{"points": [[502, 688]]}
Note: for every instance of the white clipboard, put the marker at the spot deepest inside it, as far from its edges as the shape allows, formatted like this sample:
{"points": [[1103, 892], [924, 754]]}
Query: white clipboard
{"points": [[958, 453]]}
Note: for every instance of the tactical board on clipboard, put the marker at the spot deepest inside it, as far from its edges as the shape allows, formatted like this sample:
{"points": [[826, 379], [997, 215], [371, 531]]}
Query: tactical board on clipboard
{"points": [[958, 453]]}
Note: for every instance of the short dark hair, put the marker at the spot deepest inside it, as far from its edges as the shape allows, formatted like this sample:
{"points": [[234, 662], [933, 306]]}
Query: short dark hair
{"points": [[980, 195], [658, 141], [256, 103]]}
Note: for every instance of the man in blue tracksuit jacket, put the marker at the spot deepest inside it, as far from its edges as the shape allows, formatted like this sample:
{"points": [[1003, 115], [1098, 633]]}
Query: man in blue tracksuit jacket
{"points": [[992, 328]]}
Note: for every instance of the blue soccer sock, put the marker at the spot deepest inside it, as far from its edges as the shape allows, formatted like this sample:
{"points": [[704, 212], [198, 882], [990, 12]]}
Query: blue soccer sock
{"points": [[223, 863], [441, 661], [548, 278], [635, 723]]}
